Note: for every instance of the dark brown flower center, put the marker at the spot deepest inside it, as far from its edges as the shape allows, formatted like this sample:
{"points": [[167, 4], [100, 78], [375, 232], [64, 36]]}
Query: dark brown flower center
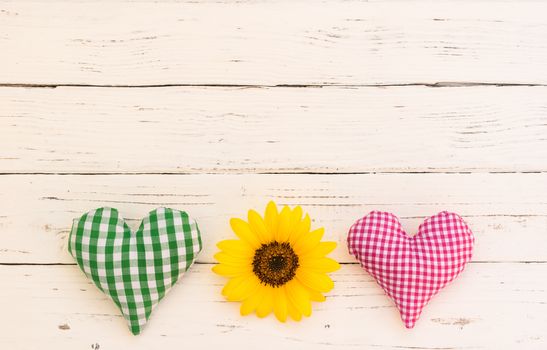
{"points": [[275, 263]]}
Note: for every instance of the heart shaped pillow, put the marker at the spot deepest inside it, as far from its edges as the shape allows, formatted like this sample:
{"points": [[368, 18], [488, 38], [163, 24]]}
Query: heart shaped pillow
{"points": [[411, 269], [135, 270]]}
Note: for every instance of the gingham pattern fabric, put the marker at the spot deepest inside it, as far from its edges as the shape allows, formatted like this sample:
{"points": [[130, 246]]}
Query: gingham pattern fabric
{"points": [[411, 270], [135, 270]]}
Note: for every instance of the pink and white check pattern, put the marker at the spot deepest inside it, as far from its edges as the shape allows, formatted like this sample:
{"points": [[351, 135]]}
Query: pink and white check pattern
{"points": [[411, 269]]}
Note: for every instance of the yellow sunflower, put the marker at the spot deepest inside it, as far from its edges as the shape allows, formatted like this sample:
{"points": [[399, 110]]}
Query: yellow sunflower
{"points": [[277, 264]]}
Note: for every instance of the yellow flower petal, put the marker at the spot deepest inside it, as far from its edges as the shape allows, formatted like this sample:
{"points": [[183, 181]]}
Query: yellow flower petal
{"points": [[243, 231], [322, 249], [296, 217], [293, 311], [314, 280], [232, 283], [303, 228], [309, 241], [319, 264], [299, 297], [270, 218], [259, 227], [280, 304], [231, 271], [266, 304], [284, 222], [236, 247], [249, 305], [315, 295], [240, 288], [225, 258]]}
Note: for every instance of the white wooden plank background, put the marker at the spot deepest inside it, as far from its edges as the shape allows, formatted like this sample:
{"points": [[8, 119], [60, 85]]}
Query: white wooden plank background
{"points": [[217, 107], [333, 130], [501, 220], [273, 43]]}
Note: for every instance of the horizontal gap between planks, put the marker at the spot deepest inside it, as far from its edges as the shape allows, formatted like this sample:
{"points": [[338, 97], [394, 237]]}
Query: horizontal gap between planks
{"points": [[440, 84], [341, 263], [232, 172]]}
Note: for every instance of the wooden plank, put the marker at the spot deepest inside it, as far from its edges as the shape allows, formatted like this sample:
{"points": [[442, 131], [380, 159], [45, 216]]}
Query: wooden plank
{"points": [[491, 306], [220, 130], [505, 211], [113, 43]]}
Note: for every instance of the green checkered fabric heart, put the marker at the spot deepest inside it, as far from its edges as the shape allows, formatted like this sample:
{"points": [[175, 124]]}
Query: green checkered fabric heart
{"points": [[136, 269]]}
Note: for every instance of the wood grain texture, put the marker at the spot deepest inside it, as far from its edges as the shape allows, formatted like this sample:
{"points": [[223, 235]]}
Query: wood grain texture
{"points": [[270, 43], [216, 107], [221, 130], [65, 311], [504, 210]]}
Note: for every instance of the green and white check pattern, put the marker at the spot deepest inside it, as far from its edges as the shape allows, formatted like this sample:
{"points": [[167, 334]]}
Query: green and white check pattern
{"points": [[135, 269]]}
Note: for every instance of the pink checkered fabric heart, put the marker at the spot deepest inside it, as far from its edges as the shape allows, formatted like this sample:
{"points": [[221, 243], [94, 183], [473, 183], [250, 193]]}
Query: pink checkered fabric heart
{"points": [[411, 269]]}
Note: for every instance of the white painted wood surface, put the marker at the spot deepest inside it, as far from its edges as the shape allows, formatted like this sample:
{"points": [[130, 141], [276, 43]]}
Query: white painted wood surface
{"points": [[272, 43], [218, 107], [470, 314], [220, 130], [501, 220]]}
